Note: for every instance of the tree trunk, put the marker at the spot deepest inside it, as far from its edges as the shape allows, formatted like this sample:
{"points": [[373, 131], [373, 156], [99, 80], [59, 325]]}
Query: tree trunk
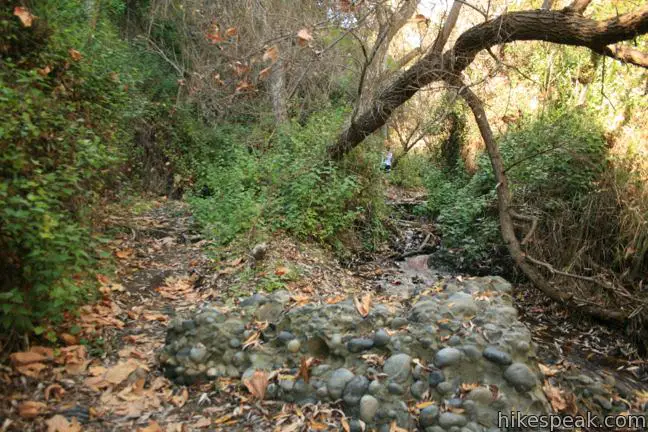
{"points": [[506, 222], [560, 27]]}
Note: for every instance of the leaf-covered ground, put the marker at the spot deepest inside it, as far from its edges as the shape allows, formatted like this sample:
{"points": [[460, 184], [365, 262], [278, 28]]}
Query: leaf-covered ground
{"points": [[105, 374]]}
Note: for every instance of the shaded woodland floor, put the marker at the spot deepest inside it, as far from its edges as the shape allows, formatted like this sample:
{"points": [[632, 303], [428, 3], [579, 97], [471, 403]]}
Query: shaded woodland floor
{"points": [[107, 378]]}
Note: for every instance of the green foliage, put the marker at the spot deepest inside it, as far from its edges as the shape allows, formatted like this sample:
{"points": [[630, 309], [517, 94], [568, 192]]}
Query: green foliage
{"points": [[278, 180], [63, 123], [410, 170], [551, 160]]}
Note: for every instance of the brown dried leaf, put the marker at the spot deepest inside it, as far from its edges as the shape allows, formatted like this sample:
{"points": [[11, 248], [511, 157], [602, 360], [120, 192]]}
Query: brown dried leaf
{"points": [[58, 423], [244, 86], [304, 36], [336, 299], [54, 390], [241, 68], [153, 426], [69, 339], [554, 395], [31, 409], [304, 368], [232, 31], [363, 305], [395, 428], [117, 374], [265, 73], [281, 270], [271, 54], [74, 54], [202, 423], [181, 398], [44, 71], [23, 358], [548, 371], [257, 384], [31, 370], [24, 15]]}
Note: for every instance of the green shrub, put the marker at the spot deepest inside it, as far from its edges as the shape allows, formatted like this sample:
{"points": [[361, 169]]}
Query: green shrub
{"points": [[551, 162], [280, 180], [63, 125]]}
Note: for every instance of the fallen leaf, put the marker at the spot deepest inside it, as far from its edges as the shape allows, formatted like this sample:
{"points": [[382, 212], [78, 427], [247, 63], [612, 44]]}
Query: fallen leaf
{"points": [[271, 54], [335, 299], [304, 369], [69, 339], [243, 86], [345, 425], [181, 398], [24, 15], [202, 423], [58, 423], [153, 426], [280, 271], [232, 31], [23, 358], [54, 390], [425, 404], [74, 54], [304, 36], [548, 371], [554, 395], [265, 73], [363, 305], [257, 384], [241, 68], [44, 71], [318, 426], [155, 316], [124, 253], [31, 409], [117, 374], [395, 428], [31, 370]]}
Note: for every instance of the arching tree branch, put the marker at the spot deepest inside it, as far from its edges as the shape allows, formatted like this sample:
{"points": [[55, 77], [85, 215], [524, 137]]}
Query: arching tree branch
{"points": [[559, 27]]}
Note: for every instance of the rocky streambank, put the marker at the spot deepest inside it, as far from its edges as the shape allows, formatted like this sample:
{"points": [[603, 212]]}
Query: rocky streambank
{"points": [[446, 355]]}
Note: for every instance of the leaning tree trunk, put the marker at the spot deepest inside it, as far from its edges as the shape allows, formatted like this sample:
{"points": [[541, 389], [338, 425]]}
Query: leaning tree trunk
{"points": [[506, 221], [562, 27]]}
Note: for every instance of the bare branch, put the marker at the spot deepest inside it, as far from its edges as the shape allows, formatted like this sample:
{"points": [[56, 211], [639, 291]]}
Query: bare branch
{"points": [[626, 55], [578, 6], [449, 25]]}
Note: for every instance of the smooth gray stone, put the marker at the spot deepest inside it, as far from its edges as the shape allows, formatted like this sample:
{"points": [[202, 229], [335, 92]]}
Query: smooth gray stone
{"points": [[429, 415], [520, 376], [293, 346], [375, 387], [603, 402], [337, 381], [253, 300], [497, 356], [418, 389], [381, 338], [285, 336], [398, 367], [436, 377], [198, 353], [398, 322], [447, 357], [480, 395], [355, 389], [368, 408], [448, 420], [235, 343], [357, 345], [395, 388]]}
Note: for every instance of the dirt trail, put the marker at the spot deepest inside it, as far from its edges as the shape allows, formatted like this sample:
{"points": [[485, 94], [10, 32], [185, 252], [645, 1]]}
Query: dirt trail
{"points": [[111, 381]]}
